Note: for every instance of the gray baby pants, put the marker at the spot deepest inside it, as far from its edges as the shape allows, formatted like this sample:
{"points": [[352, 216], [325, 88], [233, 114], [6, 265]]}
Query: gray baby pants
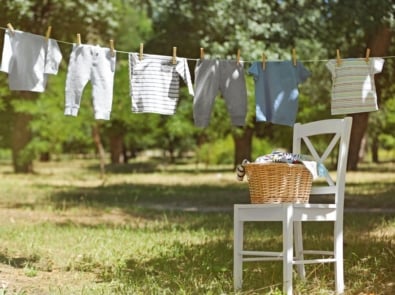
{"points": [[226, 76]]}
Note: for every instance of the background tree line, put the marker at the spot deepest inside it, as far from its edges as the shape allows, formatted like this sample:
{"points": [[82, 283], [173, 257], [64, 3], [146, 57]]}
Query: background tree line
{"points": [[32, 125]]}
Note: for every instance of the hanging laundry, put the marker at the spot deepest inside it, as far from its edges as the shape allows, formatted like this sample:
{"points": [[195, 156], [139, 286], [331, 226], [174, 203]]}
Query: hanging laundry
{"points": [[353, 86], [28, 59], [97, 65], [155, 83], [276, 90], [212, 76]]}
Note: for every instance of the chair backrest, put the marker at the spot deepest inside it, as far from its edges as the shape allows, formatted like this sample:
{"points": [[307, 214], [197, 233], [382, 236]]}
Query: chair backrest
{"points": [[309, 139]]}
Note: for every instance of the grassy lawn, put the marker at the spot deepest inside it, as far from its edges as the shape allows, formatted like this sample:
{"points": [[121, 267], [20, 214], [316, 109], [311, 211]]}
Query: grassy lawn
{"points": [[151, 228]]}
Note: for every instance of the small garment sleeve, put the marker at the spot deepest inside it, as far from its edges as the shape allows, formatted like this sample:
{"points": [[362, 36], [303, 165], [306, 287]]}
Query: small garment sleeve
{"points": [[303, 73], [183, 71], [253, 70], [53, 57], [377, 65], [331, 66], [113, 59], [7, 53]]}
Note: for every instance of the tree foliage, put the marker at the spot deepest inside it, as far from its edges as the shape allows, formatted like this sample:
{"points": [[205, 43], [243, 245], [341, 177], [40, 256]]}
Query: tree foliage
{"points": [[315, 28]]}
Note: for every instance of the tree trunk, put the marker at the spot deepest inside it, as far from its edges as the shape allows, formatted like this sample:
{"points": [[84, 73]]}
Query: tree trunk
{"points": [[116, 149], [45, 157], [359, 126], [379, 45], [100, 148], [243, 145], [21, 135], [375, 149]]}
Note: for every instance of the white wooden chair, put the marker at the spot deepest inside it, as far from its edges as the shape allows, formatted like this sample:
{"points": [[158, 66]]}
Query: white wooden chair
{"points": [[292, 215]]}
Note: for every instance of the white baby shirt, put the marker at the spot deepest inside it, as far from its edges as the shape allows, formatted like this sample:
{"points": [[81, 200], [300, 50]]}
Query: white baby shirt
{"points": [[154, 83], [28, 59], [353, 86]]}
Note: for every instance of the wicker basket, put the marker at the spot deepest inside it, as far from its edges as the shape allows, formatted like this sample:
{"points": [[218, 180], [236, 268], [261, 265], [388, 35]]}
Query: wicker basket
{"points": [[278, 183]]}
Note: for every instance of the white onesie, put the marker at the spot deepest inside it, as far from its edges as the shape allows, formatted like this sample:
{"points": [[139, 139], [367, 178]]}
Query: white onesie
{"points": [[95, 64], [28, 58], [155, 83]]}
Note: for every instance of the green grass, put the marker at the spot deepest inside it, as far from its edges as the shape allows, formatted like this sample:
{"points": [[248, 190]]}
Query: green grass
{"points": [[148, 228]]}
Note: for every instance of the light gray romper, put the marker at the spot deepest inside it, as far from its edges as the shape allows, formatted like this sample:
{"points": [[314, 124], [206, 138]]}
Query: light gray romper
{"points": [[97, 65]]}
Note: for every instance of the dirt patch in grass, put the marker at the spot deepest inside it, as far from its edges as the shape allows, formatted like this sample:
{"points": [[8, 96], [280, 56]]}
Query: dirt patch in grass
{"points": [[18, 281], [86, 217]]}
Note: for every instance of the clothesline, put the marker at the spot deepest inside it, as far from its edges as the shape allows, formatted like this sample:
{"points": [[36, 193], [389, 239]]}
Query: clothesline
{"points": [[154, 84], [243, 61]]}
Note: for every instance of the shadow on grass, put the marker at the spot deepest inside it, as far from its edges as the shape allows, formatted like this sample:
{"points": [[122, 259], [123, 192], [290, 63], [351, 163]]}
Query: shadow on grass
{"points": [[193, 269], [203, 268], [370, 195], [17, 262], [160, 165], [207, 267], [388, 166], [156, 196], [201, 197]]}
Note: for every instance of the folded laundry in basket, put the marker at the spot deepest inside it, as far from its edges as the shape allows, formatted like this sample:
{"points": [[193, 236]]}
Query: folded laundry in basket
{"points": [[241, 171], [315, 168]]}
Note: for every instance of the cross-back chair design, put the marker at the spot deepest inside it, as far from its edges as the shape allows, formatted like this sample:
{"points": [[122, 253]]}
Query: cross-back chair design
{"points": [[292, 215]]}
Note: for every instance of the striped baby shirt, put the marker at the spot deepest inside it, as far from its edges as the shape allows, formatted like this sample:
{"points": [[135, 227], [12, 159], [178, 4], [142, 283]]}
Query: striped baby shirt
{"points": [[155, 83], [353, 86]]}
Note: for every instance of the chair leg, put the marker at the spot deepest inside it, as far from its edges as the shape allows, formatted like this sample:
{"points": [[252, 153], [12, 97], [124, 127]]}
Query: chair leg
{"points": [[238, 230], [299, 248], [287, 248], [338, 249]]}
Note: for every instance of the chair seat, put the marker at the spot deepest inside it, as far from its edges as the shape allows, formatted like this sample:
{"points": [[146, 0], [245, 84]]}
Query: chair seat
{"points": [[273, 212]]}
